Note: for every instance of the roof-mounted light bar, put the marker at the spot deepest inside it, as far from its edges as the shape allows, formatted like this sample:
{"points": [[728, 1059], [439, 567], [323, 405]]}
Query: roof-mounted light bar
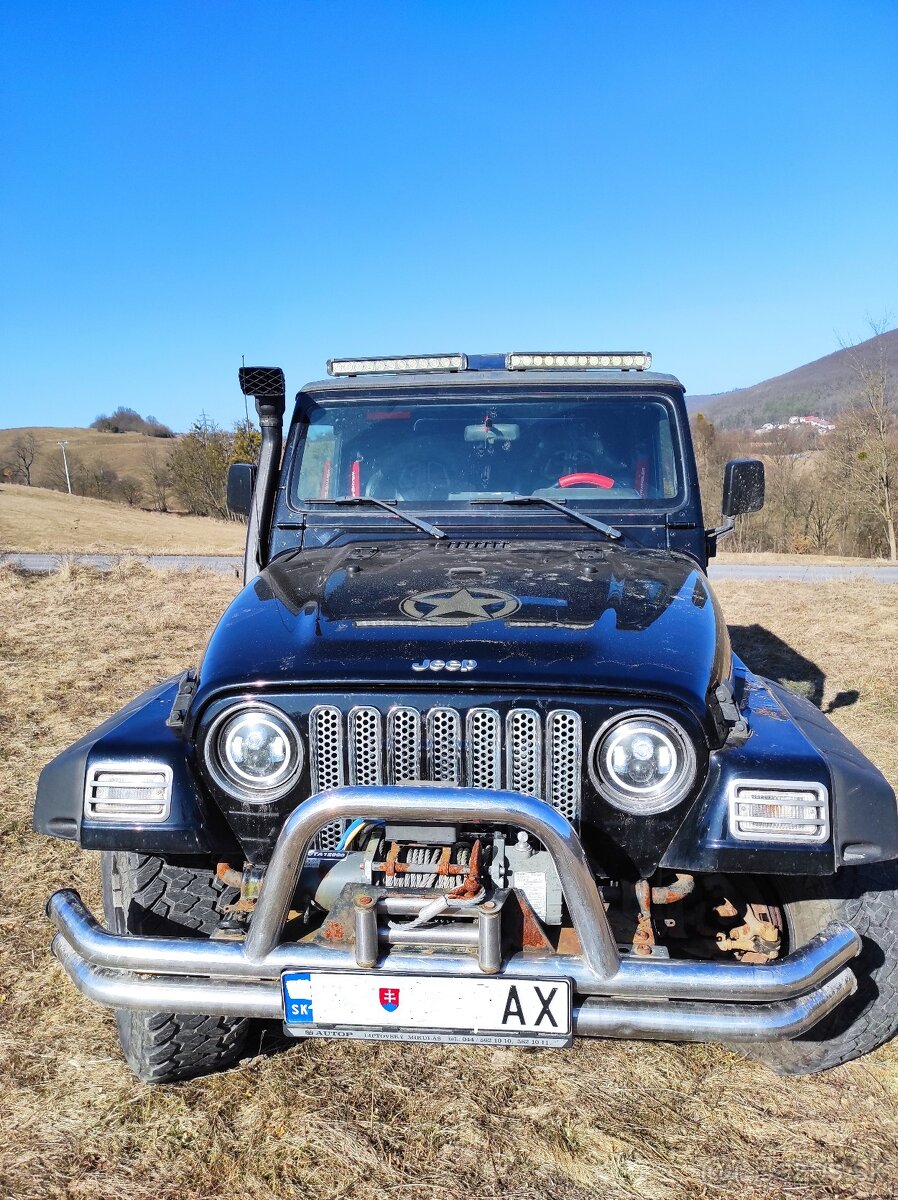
{"points": [[625, 360], [379, 366]]}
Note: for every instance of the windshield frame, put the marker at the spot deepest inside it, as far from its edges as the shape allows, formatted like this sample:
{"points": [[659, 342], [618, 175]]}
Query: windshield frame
{"points": [[587, 392]]}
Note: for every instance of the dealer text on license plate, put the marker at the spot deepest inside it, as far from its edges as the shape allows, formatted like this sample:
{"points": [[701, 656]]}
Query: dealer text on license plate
{"points": [[422, 1008]]}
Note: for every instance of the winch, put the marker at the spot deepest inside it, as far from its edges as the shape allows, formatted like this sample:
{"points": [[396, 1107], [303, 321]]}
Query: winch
{"points": [[440, 857]]}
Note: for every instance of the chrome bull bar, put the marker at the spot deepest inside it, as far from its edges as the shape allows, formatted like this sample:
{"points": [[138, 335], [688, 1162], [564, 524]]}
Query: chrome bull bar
{"points": [[616, 997]]}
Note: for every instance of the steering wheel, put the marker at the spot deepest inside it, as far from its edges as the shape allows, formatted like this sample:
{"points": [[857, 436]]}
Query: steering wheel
{"points": [[424, 478], [586, 479]]}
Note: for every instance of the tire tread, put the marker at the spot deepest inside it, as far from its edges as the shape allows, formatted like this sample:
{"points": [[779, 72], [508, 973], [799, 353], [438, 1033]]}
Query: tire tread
{"points": [[866, 898], [162, 899]]}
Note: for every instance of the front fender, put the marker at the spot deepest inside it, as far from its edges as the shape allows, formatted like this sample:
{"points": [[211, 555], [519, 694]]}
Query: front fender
{"points": [[790, 739], [136, 732]]}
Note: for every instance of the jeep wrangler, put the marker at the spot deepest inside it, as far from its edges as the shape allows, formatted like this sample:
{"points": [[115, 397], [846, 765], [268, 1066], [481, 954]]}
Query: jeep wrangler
{"points": [[470, 757]]}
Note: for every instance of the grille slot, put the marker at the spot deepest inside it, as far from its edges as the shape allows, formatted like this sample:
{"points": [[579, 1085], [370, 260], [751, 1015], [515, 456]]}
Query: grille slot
{"points": [[523, 751], [326, 747], [444, 745], [484, 748], [404, 744], [526, 753], [365, 747], [326, 764], [564, 739]]}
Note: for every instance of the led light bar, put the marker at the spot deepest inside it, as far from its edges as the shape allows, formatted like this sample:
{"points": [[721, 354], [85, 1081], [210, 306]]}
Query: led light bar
{"points": [[623, 361], [379, 366], [134, 792], [761, 811]]}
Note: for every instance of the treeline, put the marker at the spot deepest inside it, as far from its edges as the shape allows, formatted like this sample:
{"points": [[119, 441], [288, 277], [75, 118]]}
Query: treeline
{"points": [[187, 473], [126, 420], [830, 494]]}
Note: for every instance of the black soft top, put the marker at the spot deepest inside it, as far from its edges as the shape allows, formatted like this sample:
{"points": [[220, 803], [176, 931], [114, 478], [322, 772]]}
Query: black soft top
{"points": [[627, 381]]}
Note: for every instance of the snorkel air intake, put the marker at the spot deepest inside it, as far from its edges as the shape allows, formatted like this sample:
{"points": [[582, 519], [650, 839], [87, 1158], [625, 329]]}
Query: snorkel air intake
{"points": [[266, 386]]}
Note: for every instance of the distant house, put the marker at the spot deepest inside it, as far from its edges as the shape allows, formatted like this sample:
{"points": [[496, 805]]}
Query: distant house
{"points": [[818, 424]]}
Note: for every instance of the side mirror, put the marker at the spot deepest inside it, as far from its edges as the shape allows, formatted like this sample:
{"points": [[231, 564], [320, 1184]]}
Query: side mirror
{"points": [[743, 486], [241, 481]]}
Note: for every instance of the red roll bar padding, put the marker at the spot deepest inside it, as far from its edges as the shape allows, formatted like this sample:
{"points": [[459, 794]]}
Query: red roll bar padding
{"points": [[589, 478]]}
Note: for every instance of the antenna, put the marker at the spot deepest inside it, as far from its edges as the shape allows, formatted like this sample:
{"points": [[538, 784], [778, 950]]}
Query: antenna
{"points": [[245, 397]]}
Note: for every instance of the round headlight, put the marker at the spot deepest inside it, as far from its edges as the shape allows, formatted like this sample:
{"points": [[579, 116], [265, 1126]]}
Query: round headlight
{"points": [[642, 763], [255, 752]]}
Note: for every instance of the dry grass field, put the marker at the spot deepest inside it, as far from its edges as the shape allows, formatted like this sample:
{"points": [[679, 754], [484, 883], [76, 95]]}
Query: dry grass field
{"points": [[365, 1121], [126, 453], [44, 521]]}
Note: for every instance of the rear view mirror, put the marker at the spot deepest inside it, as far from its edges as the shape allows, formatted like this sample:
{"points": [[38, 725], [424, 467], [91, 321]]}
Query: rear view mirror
{"points": [[488, 432], [241, 481], [743, 486]]}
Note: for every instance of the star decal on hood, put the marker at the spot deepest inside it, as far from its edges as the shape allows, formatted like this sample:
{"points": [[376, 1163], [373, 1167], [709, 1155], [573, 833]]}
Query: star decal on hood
{"points": [[463, 606]]}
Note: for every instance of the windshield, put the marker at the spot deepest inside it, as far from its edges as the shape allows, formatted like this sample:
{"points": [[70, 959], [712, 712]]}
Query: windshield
{"points": [[591, 450]]}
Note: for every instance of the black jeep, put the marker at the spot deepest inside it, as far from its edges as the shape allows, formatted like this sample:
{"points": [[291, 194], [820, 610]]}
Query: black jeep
{"points": [[470, 758]]}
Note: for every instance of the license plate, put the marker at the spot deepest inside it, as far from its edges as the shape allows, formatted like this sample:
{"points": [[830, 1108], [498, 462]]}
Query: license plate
{"points": [[427, 1008]]}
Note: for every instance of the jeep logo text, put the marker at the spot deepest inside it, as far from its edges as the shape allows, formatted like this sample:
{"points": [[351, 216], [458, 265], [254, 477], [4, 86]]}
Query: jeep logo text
{"points": [[445, 664]]}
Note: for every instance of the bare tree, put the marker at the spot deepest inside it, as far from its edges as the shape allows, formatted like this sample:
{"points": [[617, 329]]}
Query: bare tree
{"points": [[52, 473], [131, 490], [160, 479], [22, 455], [103, 480], [872, 429], [825, 507]]}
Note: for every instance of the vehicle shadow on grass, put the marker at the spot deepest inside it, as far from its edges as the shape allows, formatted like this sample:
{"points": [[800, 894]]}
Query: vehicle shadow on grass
{"points": [[769, 655]]}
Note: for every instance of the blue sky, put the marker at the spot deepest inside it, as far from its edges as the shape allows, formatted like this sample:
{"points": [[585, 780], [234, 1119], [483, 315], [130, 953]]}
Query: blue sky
{"points": [[187, 183]]}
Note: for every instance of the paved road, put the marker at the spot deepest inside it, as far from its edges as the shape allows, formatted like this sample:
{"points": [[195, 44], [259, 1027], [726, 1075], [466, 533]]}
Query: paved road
{"points": [[812, 573], [44, 563]]}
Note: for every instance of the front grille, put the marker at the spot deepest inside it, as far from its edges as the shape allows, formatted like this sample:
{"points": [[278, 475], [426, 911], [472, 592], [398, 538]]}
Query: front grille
{"points": [[526, 752]]}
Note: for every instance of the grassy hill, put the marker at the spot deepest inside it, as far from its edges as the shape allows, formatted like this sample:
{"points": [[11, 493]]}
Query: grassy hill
{"points": [[125, 453], [37, 519], [822, 388]]}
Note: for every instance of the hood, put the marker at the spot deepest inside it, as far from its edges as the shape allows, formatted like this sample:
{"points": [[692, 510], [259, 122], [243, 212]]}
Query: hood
{"points": [[520, 614]]}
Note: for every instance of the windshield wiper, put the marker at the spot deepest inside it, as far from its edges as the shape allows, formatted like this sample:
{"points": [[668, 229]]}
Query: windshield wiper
{"points": [[608, 530], [387, 506]]}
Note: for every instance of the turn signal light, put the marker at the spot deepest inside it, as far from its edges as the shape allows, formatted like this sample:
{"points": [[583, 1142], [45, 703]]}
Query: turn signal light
{"points": [[761, 811], [132, 792]]}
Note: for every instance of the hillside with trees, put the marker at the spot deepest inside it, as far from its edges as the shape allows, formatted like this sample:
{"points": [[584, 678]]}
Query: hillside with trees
{"points": [[830, 494], [147, 467], [824, 388]]}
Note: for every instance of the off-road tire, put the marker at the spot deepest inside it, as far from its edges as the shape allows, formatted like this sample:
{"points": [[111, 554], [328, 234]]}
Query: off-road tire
{"points": [[866, 898], [147, 895]]}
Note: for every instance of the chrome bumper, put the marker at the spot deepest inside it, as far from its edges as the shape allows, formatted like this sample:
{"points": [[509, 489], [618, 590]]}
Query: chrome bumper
{"points": [[615, 997]]}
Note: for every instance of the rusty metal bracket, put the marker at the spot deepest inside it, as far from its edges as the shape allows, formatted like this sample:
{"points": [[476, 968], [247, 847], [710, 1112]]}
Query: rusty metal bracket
{"points": [[355, 922]]}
